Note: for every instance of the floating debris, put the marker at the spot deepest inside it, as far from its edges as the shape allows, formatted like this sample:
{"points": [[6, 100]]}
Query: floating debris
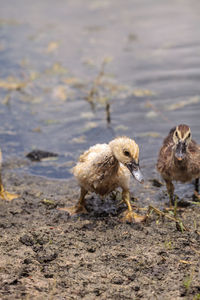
{"points": [[181, 104], [90, 125], [38, 155], [34, 75], [52, 47], [151, 114], [51, 122], [12, 84], [74, 81], [150, 134], [79, 140], [121, 127], [37, 129], [60, 92], [87, 115], [55, 69], [143, 93]]}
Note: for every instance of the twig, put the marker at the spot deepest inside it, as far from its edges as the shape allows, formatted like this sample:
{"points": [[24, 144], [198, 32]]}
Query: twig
{"points": [[108, 117], [94, 91]]}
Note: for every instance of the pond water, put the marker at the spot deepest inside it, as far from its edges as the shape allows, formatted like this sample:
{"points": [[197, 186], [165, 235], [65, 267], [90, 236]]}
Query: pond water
{"points": [[64, 62]]}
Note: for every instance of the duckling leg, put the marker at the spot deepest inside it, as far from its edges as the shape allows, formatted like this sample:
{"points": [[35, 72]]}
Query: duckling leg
{"points": [[197, 185], [196, 195], [170, 190], [130, 216], [79, 208], [6, 195]]}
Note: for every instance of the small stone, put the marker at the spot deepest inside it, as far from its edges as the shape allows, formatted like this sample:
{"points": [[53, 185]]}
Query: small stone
{"points": [[26, 240], [117, 280]]}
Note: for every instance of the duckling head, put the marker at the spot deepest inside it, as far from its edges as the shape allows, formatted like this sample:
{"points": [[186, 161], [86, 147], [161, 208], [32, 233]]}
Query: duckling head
{"points": [[181, 137], [126, 151]]}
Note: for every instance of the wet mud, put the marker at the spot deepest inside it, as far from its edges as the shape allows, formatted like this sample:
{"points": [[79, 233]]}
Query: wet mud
{"points": [[46, 254]]}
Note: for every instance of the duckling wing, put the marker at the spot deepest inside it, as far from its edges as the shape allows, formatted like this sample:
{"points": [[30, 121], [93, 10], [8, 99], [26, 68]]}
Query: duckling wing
{"points": [[97, 170], [165, 154], [168, 141], [194, 155], [91, 164], [93, 152]]}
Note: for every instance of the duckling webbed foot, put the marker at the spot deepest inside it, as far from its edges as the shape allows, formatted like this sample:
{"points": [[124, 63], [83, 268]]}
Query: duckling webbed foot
{"points": [[6, 195], [79, 208], [130, 215], [76, 209]]}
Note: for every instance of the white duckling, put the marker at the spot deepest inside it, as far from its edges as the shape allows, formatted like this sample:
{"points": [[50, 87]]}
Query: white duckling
{"points": [[105, 167], [4, 194]]}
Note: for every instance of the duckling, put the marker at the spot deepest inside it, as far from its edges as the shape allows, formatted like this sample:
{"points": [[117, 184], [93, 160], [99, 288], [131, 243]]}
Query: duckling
{"points": [[4, 194], [105, 167], [179, 159]]}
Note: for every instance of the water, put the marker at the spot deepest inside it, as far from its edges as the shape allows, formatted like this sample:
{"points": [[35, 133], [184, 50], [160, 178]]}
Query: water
{"points": [[56, 50]]}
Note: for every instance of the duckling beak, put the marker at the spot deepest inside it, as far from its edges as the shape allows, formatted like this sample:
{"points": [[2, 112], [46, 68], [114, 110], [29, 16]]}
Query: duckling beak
{"points": [[138, 175], [180, 151], [135, 171]]}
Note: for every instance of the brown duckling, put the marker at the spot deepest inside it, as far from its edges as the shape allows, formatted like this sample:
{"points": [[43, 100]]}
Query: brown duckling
{"points": [[105, 167], [179, 158], [4, 194]]}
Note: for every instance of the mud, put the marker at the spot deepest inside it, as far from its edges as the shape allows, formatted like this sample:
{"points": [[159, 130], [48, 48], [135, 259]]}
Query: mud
{"points": [[45, 254]]}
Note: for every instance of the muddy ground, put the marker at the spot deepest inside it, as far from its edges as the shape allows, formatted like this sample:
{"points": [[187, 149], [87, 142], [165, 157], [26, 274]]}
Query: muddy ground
{"points": [[45, 254]]}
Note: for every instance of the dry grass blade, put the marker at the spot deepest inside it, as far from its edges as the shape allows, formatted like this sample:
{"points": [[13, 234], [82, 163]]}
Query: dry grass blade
{"points": [[196, 251], [186, 262], [178, 222]]}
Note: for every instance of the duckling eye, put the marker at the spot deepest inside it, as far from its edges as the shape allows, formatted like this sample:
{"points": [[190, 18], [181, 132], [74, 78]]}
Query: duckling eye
{"points": [[176, 133], [126, 153], [189, 135]]}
